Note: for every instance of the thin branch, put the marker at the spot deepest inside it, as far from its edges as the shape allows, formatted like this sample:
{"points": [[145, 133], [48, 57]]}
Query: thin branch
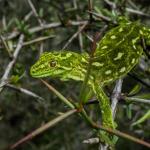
{"points": [[25, 91], [135, 77], [80, 34], [11, 63], [107, 19], [137, 12], [43, 128], [45, 27], [68, 103], [35, 12], [116, 96], [138, 100], [90, 8], [123, 135], [39, 39], [130, 10], [74, 36], [6, 46]]}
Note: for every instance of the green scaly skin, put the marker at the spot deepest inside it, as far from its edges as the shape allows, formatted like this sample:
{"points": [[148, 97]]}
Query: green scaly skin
{"points": [[116, 54]]}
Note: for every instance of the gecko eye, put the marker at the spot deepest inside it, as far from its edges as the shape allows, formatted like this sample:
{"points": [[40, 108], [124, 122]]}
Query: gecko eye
{"points": [[52, 63]]}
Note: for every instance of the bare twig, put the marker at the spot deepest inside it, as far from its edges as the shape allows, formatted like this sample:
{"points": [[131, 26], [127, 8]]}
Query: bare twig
{"points": [[123, 135], [27, 17], [111, 4], [116, 96], [63, 99], [6, 46], [138, 100], [43, 128], [45, 27], [25, 91], [12, 62], [35, 12], [130, 10], [137, 12], [80, 34], [107, 19], [39, 39], [74, 36], [90, 8]]}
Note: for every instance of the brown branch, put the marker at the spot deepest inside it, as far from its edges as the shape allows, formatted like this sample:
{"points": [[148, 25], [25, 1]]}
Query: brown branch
{"points": [[43, 128]]}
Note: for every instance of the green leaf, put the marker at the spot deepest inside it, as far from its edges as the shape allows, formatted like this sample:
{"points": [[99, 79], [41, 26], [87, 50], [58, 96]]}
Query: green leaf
{"points": [[142, 119], [129, 111], [135, 89]]}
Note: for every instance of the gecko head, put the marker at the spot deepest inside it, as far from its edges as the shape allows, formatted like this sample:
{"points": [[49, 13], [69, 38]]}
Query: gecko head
{"points": [[54, 64]]}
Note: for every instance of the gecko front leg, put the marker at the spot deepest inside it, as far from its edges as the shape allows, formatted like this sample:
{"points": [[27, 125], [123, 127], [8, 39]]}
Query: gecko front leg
{"points": [[107, 118]]}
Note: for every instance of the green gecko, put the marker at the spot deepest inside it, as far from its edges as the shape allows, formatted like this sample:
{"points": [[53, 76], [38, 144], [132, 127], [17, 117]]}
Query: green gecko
{"points": [[116, 54]]}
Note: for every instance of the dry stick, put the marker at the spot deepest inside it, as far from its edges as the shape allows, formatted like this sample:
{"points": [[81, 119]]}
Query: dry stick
{"points": [[64, 100], [27, 17], [55, 25], [90, 8], [137, 12], [39, 20], [11, 63], [35, 12], [123, 135], [39, 39], [130, 10], [6, 46], [43, 128], [75, 35], [25, 91], [137, 100], [45, 27], [107, 19], [116, 96], [80, 34]]}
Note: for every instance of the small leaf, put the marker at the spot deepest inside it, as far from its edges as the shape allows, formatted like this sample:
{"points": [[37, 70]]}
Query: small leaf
{"points": [[142, 119], [129, 111], [14, 79], [135, 90]]}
